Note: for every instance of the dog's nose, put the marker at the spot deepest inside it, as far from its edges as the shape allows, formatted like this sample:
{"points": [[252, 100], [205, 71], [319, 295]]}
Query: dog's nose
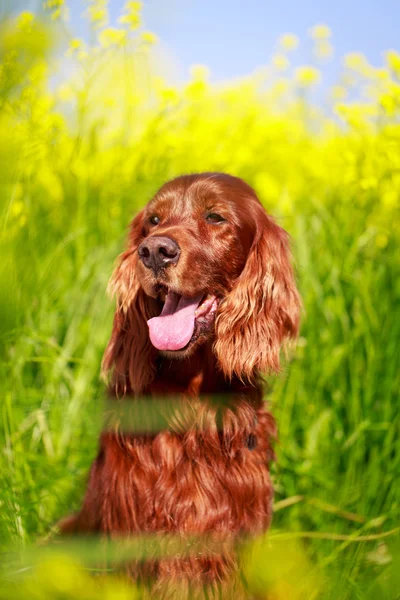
{"points": [[157, 252]]}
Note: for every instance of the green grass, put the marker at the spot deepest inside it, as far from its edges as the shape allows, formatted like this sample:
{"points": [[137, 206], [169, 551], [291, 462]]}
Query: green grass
{"points": [[335, 402], [67, 194]]}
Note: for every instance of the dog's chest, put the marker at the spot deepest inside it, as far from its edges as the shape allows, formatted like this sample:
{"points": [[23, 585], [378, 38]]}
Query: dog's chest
{"points": [[206, 480]]}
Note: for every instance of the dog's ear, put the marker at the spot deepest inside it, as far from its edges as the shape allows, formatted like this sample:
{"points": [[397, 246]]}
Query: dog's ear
{"points": [[129, 356], [261, 312]]}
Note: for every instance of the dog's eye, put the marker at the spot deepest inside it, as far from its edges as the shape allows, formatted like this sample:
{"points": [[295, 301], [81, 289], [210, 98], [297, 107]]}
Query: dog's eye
{"points": [[154, 220], [214, 218]]}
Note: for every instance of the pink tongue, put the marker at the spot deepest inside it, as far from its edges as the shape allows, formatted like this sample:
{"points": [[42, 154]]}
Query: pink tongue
{"points": [[173, 329]]}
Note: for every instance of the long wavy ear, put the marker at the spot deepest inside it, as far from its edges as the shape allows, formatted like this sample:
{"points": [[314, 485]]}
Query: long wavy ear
{"points": [[129, 355], [261, 312]]}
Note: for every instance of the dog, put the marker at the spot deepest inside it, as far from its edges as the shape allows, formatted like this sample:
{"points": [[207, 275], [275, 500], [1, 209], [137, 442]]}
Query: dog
{"points": [[205, 299]]}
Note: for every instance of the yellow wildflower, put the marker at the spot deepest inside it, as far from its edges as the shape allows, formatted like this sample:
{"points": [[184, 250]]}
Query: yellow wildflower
{"points": [[280, 87], [132, 20], [115, 210], [97, 13], [267, 185], [368, 183], [133, 6], [57, 7], [381, 74], [323, 49], [280, 62], [25, 20], [307, 75], [98, 16], [75, 46], [388, 104], [109, 102], [65, 93], [76, 43], [199, 72], [149, 37], [320, 32], [53, 3], [52, 184], [390, 198], [381, 240], [82, 54], [195, 90], [112, 36], [338, 92], [17, 208], [288, 41], [169, 95], [355, 61], [393, 61]]}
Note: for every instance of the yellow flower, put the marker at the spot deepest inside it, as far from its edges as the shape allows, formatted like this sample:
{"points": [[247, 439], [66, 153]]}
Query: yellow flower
{"points": [[338, 92], [25, 20], [390, 198], [38, 73], [323, 49], [320, 32], [393, 61], [17, 208], [307, 76], [355, 61], [359, 115], [76, 43], [75, 47], [368, 183], [112, 36], [381, 240], [267, 186], [388, 103], [98, 13], [149, 37], [280, 62], [133, 6], [132, 20], [109, 102], [390, 99], [288, 41], [82, 55], [65, 93], [58, 8], [341, 109], [52, 184], [53, 4], [169, 95], [381, 74], [18, 192], [199, 72], [280, 87], [115, 210], [195, 90]]}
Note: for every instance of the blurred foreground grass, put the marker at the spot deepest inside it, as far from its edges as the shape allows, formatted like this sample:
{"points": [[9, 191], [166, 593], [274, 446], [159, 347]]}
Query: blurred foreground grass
{"points": [[87, 134]]}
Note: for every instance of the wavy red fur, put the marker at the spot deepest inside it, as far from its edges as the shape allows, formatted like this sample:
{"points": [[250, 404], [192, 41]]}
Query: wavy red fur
{"points": [[207, 472]]}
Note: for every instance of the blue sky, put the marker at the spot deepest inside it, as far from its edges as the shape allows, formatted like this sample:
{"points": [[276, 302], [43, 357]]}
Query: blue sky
{"points": [[233, 37]]}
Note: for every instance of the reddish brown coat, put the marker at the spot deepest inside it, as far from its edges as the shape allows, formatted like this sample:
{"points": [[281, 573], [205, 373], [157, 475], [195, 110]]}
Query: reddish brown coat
{"points": [[208, 471]]}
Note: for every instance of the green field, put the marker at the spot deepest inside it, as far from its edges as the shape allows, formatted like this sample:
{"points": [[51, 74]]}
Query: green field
{"points": [[79, 155]]}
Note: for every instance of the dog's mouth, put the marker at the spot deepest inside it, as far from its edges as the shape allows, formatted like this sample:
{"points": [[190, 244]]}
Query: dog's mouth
{"points": [[182, 320]]}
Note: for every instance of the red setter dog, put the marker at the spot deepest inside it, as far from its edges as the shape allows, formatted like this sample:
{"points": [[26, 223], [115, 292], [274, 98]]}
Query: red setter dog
{"points": [[205, 299]]}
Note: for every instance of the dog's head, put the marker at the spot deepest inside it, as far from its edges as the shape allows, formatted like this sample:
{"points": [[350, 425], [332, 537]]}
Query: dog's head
{"points": [[204, 264]]}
